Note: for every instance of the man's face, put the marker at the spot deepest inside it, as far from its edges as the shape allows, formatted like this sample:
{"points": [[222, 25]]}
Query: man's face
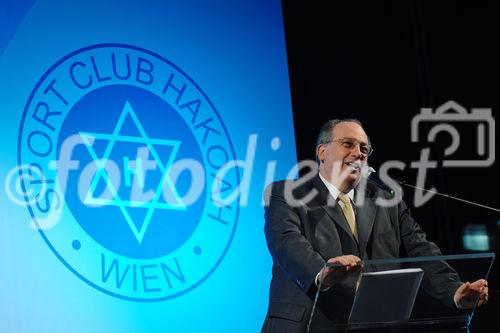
{"points": [[341, 161]]}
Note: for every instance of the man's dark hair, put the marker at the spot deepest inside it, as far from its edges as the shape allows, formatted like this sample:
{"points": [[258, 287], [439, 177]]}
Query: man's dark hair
{"points": [[326, 132]]}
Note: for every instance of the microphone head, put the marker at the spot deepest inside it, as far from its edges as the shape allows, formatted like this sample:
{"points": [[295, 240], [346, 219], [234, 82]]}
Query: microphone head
{"points": [[371, 176], [367, 171]]}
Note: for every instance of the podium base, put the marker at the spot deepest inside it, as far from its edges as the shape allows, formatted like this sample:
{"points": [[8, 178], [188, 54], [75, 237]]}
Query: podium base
{"points": [[448, 325]]}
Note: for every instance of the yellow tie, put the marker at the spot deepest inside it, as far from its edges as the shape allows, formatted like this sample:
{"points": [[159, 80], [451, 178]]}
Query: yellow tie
{"points": [[349, 213]]}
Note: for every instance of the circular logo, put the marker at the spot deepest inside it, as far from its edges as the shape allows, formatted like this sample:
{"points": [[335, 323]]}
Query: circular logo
{"points": [[121, 153]]}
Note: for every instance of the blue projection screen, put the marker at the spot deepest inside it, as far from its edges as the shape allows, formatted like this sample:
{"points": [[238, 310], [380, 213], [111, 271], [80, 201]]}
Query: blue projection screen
{"points": [[137, 140]]}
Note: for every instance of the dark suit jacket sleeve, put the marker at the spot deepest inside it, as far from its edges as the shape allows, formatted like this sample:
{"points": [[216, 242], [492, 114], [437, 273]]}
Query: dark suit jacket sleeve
{"points": [[286, 240], [441, 280]]}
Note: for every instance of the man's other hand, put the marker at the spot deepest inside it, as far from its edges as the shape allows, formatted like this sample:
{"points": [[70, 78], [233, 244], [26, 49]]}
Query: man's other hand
{"points": [[468, 294]]}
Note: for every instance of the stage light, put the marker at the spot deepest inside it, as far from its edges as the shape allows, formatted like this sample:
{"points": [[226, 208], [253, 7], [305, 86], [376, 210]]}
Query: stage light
{"points": [[475, 238]]}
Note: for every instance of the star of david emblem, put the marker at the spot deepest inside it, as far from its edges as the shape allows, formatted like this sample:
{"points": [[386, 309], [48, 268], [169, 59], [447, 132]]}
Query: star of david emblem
{"points": [[174, 202]]}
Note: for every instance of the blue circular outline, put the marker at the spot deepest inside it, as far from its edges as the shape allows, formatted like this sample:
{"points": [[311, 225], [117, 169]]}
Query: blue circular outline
{"points": [[23, 119]]}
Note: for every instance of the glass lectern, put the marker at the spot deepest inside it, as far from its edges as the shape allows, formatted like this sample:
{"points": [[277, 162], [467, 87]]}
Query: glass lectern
{"points": [[400, 295]]}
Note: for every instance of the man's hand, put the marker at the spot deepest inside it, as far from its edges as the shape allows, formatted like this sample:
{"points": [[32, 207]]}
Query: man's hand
{"points": [[468, 294], [331, 275]]}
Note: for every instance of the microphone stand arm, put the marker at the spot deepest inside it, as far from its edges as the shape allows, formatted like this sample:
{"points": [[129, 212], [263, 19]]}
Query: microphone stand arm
{"points": [[450, 197]]}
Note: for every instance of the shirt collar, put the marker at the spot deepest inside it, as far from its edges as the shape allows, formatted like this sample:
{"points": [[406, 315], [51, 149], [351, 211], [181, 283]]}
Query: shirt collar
{"points": [[334, 192]]}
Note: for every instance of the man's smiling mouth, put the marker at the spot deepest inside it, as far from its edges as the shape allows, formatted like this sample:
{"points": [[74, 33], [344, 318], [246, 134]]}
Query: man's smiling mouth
{"points": [[354, 165]]}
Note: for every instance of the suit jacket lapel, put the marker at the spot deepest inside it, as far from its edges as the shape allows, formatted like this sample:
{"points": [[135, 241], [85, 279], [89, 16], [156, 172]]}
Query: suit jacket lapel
{"points": [[335, 213], [365, 214], [332, 208], [365, 217]]}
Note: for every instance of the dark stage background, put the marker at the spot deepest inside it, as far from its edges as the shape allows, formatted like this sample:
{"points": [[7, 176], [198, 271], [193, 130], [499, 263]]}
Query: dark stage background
{"points": [[380, 62]]}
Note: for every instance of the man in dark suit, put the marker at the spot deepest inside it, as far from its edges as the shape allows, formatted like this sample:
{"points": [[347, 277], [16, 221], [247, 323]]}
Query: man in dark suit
{"points": [[314, 220]]}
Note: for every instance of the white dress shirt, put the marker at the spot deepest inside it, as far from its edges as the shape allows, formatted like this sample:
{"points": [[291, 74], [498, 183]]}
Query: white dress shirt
{"points": [[335, 191]]}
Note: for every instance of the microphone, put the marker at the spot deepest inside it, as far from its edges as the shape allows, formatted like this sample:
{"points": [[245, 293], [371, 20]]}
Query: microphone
{"points": [[371, 175]]}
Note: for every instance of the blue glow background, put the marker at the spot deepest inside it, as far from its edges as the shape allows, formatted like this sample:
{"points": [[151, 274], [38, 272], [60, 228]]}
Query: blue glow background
{"points": [[235, 51]]}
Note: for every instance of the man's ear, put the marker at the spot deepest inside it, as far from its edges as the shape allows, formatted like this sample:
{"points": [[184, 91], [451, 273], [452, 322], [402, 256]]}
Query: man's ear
{"points": [[320, 152]]}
